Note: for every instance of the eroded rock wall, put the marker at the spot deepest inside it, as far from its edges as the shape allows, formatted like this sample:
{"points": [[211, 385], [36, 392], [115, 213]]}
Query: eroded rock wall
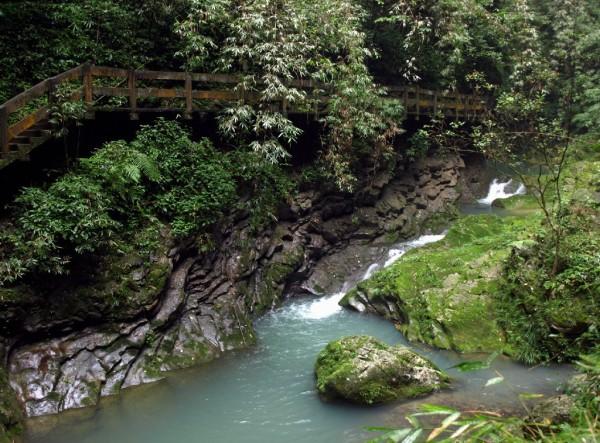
{"points": [[208, 300]]}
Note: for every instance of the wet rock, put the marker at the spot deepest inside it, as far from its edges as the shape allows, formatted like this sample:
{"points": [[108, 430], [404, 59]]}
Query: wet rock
{"points": [[363, 370], [136, 320]]}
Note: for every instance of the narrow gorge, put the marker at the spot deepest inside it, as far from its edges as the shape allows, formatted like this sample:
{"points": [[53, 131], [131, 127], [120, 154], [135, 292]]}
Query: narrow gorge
{"points": [[303, 221]]}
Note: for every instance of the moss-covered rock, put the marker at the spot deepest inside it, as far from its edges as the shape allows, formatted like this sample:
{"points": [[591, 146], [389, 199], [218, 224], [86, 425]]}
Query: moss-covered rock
{"points": [[11, 416], [441, 294], [517, 204], [115, 287], [363, 370]]}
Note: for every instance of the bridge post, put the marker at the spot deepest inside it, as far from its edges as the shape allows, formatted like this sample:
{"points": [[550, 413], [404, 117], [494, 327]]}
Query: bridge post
{"points": [[469, 107], [131, 84], [188, 96], [3, 132], [435, 103], [418, 95], [87, 85], [456, 106], [51, 89]]}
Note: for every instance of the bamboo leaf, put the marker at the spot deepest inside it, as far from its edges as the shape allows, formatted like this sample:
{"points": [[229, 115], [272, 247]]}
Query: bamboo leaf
{"points": [[445, 424], [494, 381], [395, 436], [460, 431], [428, 407], [413, 437]]}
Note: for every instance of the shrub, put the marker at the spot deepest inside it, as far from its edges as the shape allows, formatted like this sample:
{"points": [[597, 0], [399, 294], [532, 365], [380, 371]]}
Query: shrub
{"points": [[121, 189]]}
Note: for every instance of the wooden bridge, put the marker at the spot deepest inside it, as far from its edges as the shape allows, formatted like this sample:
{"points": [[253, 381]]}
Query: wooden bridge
{"points": [[24, 119]]}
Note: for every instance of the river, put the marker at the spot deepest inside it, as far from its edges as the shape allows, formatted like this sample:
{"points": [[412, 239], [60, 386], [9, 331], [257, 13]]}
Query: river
{"points": [[267, 393]]}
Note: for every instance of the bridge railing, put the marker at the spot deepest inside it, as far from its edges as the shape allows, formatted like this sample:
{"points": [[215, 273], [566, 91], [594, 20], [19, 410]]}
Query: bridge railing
{"points": [[192, 91], [46, 89], [194, 87], [418, 101]]}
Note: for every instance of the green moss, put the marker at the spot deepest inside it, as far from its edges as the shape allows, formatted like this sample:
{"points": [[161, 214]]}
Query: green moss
{"points": [[442, 292], [518, 204], [114, 287], [93, 393], [439, 220], [168, 359], [270, 283], [364, 370], [554, 315]]}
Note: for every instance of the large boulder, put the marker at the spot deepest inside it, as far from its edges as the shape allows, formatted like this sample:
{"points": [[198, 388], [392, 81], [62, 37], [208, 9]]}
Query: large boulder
{"points": [[363, 370]]}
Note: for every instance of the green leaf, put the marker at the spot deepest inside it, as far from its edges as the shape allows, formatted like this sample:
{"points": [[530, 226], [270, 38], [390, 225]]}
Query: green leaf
{"points": [[395, 436], [494, 381], [430, 408], [469, 366], [413, 436], [445, 424]]}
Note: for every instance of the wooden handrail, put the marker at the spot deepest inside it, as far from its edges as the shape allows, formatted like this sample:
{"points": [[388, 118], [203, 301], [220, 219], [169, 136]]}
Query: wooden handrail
{"points": [[416, 100]]}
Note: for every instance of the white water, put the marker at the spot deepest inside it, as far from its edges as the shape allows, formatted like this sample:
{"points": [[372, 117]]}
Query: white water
{"points": [[329, 305], [501, 190]]}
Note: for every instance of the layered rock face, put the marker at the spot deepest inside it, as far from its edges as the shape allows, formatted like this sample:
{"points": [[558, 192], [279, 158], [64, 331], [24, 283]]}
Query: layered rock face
{"points": [[187, 307], [363, 370]]}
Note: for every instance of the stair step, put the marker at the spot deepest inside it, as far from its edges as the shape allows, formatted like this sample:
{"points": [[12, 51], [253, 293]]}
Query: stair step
{"points": [[31, 133], [36, 141], [17, 147]]}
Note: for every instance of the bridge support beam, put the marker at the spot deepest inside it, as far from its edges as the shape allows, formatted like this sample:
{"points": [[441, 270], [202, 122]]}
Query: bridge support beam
{"points": [[3, 132], [131, 84], [188, 97], [88, 97]]}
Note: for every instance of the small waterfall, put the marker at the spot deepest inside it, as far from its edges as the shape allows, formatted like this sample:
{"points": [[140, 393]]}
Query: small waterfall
{"points": [[329, 305], [500, 190]]}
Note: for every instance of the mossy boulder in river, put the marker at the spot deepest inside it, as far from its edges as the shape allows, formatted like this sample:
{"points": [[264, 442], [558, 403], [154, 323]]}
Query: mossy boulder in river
{"points": [[363, 370]]}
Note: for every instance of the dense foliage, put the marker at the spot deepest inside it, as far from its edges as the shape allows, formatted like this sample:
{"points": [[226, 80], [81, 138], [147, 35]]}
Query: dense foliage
{"points": [[341, 44], [275, 43], [54, 36], [554, 316], [161, 178]]}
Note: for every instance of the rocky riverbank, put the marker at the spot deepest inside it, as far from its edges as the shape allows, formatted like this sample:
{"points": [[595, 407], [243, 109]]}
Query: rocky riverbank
{"points": [[187, 306]]}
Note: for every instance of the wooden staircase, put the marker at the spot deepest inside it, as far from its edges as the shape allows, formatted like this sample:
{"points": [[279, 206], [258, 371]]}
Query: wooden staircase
{"points": [[19, 147]]}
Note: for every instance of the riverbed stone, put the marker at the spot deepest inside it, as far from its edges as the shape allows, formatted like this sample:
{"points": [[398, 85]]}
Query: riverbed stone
{"points": [[364, 370]]}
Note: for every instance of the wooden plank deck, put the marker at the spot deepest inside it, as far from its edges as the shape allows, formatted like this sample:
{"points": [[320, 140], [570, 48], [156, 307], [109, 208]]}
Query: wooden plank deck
{"points": [[183, 92]]}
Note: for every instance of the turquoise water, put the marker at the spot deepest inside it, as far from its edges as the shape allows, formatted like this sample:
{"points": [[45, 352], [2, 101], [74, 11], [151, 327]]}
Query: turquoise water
{"points": [[267, 393]]}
